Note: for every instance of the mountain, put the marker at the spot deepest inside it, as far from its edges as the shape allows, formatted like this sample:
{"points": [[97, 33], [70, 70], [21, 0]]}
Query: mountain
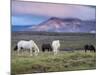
{"points": [[60, 25], [52, 24], [65, 25]]}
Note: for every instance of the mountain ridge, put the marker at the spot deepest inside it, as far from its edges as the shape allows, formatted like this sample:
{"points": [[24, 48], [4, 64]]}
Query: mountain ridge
{"points": [[55, 24], [64, 25]]}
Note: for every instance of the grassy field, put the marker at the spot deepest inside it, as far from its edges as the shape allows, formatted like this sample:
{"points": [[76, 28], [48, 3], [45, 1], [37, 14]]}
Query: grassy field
{"points": [[47, 62]]}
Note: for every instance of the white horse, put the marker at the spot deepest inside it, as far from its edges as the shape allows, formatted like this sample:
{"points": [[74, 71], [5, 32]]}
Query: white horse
{"points": [[30, 45], [55, 46]]}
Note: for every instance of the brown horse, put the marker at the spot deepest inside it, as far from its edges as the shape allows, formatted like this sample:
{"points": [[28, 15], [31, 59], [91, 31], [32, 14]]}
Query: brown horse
{"points": [[46, 47]]}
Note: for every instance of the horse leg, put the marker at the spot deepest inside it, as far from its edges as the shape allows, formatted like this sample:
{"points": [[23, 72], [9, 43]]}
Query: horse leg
{"points": [[18, 51], [85, 50], [58, 50], [94, 50], [43, 49], [22, 50], [30, 51], [48, 49], [55, 51]]}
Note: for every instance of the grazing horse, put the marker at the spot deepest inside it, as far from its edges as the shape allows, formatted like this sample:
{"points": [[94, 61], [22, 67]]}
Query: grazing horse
{"points": [[90, 48], [86, 47], [29, 45], [55, 46], [46, 47]]}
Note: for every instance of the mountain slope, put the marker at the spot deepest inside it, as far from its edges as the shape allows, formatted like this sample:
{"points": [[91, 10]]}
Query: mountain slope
{"points": [[65, 25]]}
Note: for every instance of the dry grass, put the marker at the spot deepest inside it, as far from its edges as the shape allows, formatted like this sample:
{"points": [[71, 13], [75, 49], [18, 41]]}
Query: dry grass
{"points": [[47, 62]]}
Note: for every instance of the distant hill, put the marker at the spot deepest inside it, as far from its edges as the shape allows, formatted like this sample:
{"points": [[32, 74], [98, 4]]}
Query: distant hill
{"points": [[64, 25]]}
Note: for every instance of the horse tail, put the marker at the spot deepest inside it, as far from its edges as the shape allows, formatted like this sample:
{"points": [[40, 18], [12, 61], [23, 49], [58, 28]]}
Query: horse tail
{"points": [[16, 47]]}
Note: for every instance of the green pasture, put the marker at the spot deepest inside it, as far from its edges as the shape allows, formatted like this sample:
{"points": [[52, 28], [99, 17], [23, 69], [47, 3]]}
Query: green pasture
{"points": [[47, 62]]}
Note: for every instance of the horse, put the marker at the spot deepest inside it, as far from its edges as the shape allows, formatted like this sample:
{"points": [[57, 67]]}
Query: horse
{"points": [[55, 46], [29, 45], [86, 47], [46, 47], [90, 48]]}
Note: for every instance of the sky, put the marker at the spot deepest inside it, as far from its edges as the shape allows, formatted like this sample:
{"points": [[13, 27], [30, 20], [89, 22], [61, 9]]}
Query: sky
{"points": [[34, 13]]}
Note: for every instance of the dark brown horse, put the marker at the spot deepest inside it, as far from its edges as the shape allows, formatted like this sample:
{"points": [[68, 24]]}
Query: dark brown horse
{"points": [[46, 47], [89, 48]]}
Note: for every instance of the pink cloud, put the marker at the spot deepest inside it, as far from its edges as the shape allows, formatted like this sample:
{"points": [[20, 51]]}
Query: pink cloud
{"points": [[53, 10]]}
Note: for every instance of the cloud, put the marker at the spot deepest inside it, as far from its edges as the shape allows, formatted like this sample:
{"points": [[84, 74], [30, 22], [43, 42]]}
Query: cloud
{"points": [[53, 10]]}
